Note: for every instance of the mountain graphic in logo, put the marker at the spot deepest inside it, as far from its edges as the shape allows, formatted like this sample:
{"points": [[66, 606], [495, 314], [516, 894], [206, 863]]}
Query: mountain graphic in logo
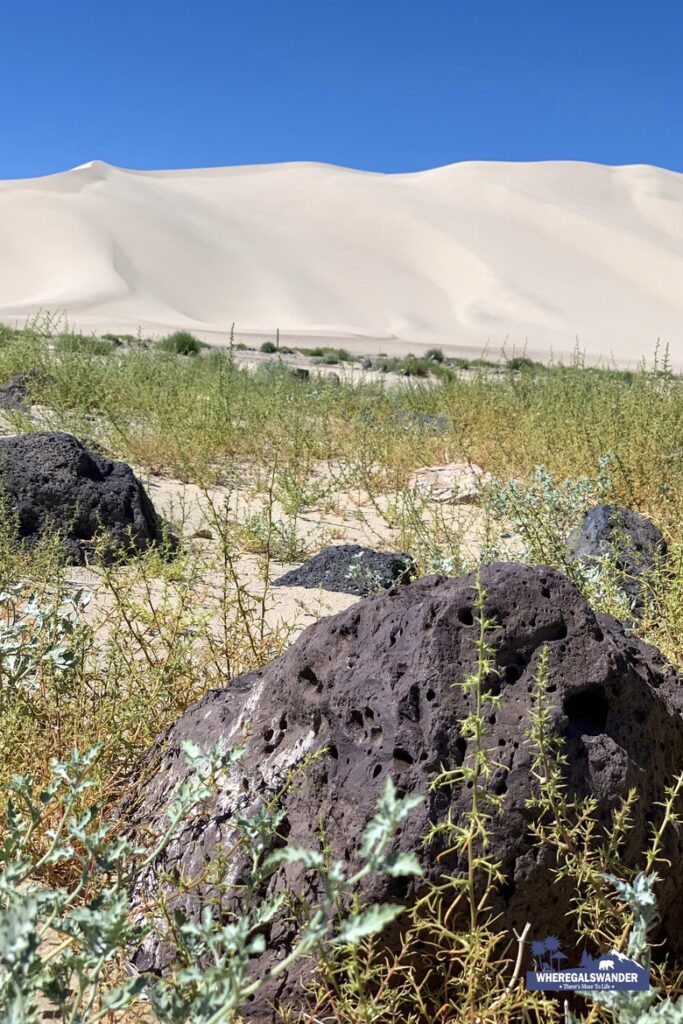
{"points": [[613, 971]]}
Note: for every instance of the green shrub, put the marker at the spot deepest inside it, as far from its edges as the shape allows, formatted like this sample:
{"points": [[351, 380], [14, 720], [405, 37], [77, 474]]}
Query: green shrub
{"points": [[66, 945], [80, 343], [435, 354], [413, 366], [268, 347], [326, 353], [7, 334], [521, 363], [182, 343]]}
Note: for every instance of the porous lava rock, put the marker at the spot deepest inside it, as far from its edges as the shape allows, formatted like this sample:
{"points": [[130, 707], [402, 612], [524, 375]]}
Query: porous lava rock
{"points": [[350, 569], [15, 393], [376, 685], [633, 544], [52, 482]]}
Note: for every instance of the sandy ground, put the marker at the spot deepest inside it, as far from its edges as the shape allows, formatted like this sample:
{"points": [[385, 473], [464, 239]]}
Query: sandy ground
{"points": [[471, 257], [351, 520], [342, 517]]}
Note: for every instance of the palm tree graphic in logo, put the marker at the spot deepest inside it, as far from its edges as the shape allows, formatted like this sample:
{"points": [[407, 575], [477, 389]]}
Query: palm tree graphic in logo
{"points": [[547, 954]]}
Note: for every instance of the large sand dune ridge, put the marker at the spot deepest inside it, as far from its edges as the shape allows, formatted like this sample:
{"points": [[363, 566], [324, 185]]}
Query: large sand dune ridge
{"points": [[464, 256]]}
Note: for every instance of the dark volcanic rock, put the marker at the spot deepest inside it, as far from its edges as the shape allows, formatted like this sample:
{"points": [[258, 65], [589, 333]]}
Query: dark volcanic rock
{"points": [[631, 541], [15, 393], [375, 686], [350, 569], [301, 372], [54, 483], [424, 421]]}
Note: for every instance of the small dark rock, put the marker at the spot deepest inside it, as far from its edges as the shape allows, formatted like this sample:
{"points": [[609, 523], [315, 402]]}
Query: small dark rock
{"points": [[366, 363], [15, 393], [350, 569], [301, 372], [629, 540], [423, 420], [54, 483]]}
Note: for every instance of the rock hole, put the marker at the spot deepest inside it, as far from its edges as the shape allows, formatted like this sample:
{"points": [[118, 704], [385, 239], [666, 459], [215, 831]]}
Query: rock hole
{"points": [[395, 634], [401, 754], [587, 711], [356, 717], [399, 888], [369, 713], [282, 724], [268, 735], [465, 616], [430, 695], [545, 592], [377, 770], [333, 752], [499, 782], [307, 675], [512, 674]]}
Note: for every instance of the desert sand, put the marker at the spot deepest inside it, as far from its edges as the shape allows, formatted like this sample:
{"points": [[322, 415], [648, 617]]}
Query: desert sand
{"points": [[473, 256]]}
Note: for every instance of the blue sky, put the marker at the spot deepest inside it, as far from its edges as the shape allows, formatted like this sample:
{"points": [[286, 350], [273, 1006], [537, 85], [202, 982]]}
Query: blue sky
{"points": [[386, 85]]}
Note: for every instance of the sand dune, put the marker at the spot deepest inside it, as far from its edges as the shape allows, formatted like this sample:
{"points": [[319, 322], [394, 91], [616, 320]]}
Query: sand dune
{"points": [[465, 256]]}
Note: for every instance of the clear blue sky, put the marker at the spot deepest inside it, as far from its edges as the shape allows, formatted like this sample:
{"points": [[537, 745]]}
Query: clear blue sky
{"points": [[388, 85]]}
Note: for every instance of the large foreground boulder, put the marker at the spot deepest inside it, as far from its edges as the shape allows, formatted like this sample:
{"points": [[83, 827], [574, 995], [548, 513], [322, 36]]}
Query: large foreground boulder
{"points": [[377, 686], [53, 482], [350, 569], [633, 544]]}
